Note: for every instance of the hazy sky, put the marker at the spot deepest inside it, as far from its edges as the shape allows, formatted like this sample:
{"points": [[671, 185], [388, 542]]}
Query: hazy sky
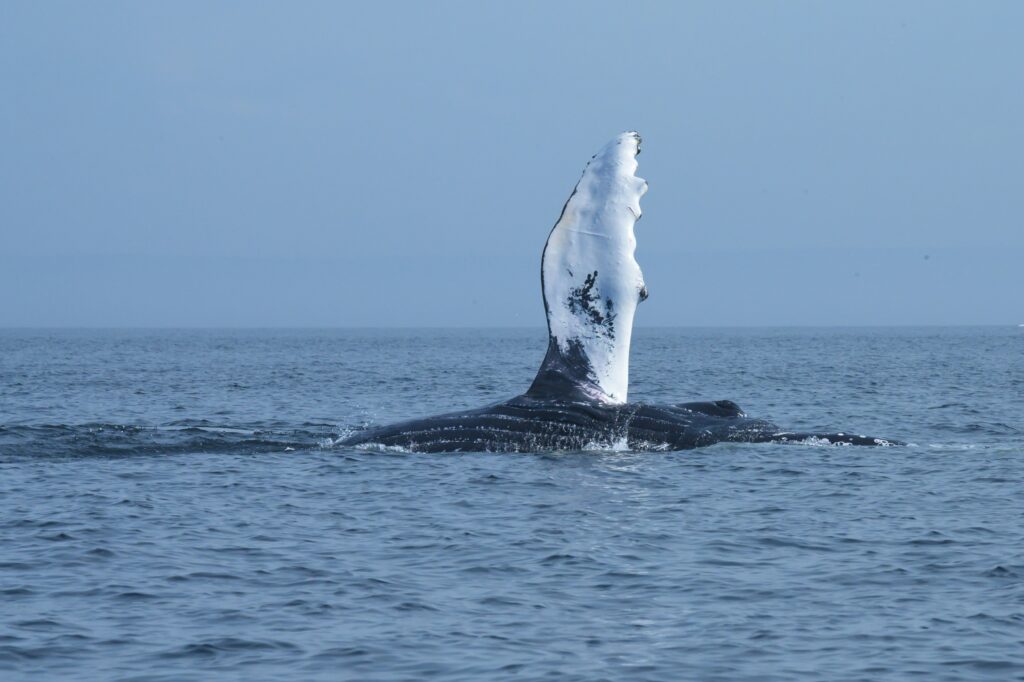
{"points": [[336, 164]]}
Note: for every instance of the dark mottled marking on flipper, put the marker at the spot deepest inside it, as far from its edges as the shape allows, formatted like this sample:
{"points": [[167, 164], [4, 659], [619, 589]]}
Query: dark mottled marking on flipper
{"points": [[566, 375], [583, 301]]}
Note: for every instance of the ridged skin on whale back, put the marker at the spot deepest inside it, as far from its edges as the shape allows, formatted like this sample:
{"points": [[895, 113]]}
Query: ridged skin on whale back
{"points": [[591, 281]]}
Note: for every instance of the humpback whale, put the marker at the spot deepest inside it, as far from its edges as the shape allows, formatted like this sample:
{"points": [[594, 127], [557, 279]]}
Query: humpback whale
{"points": [[591, 286]]}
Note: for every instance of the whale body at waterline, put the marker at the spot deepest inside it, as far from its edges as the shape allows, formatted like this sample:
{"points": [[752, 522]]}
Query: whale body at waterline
{"points": [[591, 285]]}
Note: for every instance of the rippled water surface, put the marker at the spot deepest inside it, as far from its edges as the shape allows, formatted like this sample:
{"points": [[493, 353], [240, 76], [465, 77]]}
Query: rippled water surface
{"points": [[173, 506]]}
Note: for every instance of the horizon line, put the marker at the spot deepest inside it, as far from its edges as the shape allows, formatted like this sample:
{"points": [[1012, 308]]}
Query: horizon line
{"points": [[486, 327]]}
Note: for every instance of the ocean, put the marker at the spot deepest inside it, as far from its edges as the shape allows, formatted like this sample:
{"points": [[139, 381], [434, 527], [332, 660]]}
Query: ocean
{"points": [[174, 506]]}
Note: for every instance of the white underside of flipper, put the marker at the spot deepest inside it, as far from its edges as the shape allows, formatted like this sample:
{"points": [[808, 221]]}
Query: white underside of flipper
{"points": [[591, 280]]}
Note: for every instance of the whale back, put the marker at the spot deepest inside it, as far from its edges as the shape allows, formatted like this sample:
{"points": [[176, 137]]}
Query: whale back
{"points": [[591, 281]]}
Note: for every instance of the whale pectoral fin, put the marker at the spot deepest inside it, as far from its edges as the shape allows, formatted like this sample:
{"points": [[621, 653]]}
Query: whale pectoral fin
{"points": [[592, 283], [829, 439]]}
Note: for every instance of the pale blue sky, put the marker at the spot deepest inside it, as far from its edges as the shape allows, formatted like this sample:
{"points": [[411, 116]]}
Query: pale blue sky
{"points": [[389, 164]]}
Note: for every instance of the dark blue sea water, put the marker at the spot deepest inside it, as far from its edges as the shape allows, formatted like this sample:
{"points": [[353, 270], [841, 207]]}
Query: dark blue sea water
{"points": [[173, 507]]}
